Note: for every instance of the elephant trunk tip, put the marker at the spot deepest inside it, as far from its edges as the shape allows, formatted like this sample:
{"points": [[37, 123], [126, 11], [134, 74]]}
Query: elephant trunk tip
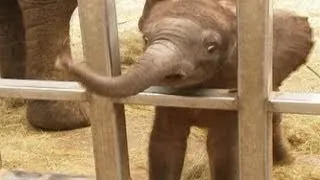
{"points": [[63, 62]]}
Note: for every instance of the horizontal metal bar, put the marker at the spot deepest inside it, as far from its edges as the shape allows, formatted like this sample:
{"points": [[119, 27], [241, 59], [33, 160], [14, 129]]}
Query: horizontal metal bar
{"points": [[208, 99], [71, 90], [286, 102], [15, 174], [42, 90], [295, 103]]}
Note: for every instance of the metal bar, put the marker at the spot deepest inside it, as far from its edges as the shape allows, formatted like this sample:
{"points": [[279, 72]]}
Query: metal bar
{"points": [[40, 89], [298, 103], [285, 102], [70, 90], [100, 42], [203, 98], [15, 174], [254, 85]]}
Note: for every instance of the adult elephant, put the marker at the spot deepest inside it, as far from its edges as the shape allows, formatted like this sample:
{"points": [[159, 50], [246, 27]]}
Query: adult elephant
{"points": [[32, 33]]}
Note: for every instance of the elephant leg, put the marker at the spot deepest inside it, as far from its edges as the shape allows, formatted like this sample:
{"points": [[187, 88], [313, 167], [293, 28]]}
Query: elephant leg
{"points": [[12, 47], [280, 152], [222, 140], [47, 28], [168, 144], [222, 146]]}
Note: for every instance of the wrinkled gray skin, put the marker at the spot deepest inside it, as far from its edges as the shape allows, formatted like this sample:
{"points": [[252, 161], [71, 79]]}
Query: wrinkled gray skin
{"points": [[32, 33], [191, 44]]}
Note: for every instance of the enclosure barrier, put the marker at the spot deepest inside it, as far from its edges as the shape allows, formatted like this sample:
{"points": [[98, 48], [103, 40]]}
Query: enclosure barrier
{"points": [[254, 100]]}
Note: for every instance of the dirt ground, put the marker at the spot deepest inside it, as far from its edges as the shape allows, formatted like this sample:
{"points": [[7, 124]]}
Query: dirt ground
{"points": [[23, 147]]}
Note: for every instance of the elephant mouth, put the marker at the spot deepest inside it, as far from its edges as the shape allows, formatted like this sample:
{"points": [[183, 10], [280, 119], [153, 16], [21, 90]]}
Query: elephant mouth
{"points": [[184, 76], [178, 81]]}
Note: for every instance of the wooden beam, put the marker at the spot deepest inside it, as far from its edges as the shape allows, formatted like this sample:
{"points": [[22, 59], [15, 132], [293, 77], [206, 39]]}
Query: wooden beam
{"points": [[100, 43], [254, 86]]}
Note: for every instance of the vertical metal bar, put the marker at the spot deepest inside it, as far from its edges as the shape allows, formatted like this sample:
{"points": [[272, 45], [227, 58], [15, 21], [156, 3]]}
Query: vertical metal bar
{"points": [[254, 81], [100, 43]]}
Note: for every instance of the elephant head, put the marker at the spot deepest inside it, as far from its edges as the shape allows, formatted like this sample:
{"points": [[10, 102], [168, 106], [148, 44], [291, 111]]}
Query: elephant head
{"points": [[186, 42]]}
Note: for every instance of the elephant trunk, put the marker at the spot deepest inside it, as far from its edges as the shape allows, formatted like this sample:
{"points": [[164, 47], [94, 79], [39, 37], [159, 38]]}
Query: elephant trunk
{"points": [[158, 61]]}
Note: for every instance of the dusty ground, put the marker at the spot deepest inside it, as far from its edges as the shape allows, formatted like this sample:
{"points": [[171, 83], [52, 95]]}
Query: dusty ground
{"points": [[71, 151]]}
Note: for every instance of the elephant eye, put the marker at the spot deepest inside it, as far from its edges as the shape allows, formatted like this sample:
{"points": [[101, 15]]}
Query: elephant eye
{"points": [[145, 39], [212, 47]]}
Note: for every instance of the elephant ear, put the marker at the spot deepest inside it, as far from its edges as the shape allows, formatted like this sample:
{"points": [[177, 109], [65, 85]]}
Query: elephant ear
{"points": [[292, 43]]}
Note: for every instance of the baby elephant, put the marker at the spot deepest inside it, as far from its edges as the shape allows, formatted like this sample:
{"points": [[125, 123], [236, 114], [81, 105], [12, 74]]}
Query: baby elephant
{"points": [[192, 44]]}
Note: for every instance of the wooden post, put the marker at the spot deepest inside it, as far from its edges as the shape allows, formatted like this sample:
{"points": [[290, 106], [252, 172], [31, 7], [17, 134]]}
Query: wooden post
{"points": [[100, 42], [254, 83]]}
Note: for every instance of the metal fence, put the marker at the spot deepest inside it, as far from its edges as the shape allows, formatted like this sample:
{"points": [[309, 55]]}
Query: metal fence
{"points": [[99, 30]]}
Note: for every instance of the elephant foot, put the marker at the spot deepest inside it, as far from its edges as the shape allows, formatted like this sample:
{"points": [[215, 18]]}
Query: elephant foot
{"points": [[58, 115]]}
